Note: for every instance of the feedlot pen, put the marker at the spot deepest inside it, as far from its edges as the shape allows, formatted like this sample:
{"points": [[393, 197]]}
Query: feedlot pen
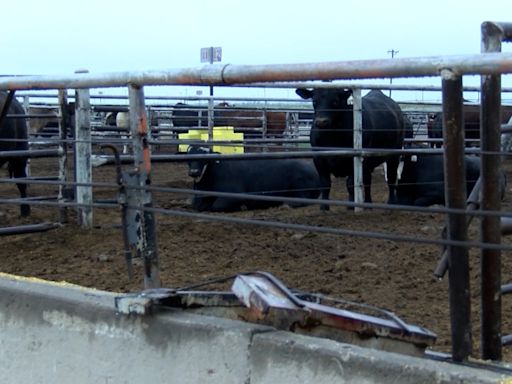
{"points": [[397, 276], [390, 273]]}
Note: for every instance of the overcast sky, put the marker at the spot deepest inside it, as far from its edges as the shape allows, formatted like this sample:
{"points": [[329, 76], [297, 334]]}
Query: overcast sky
{"points": [[59, 36]]}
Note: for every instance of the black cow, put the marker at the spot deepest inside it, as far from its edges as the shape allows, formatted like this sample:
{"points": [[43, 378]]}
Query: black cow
{"points": [[250, 121], [48, 126], [13, 137], [471, 123], [184, 115], [422, 180], [245, 120], [264, 177], [383, 127]]}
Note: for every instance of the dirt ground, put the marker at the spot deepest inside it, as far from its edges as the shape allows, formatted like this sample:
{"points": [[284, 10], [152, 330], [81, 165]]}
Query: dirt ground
{"points": [[397, 276]]}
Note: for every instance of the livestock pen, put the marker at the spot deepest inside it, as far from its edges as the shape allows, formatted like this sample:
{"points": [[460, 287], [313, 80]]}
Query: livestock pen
{"points": [[382, 256]]}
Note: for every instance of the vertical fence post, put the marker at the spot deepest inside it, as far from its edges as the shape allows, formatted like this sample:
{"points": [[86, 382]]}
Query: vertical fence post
{"points": [[490, 135], [455, 196], [151, 114], [142, 169], [264, 127], [358, 145], [83, 167], [211, 116], [63, 158], [26, 106]]}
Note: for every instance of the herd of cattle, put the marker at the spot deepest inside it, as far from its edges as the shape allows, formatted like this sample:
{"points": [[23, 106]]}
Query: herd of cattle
{"points": [[384, 126], [247, 120], [471, 124]]}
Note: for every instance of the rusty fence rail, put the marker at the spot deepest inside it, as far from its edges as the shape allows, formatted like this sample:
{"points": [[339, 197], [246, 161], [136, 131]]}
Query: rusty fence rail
{"points": [[228, 74]]}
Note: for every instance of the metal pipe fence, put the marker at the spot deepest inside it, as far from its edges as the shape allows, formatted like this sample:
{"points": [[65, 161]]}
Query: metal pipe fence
{"points": [[228, 74], [138, 196]]}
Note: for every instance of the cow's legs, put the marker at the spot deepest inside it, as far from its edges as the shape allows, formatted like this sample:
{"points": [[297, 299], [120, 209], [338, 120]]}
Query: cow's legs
{"points": [[203, 203], [367, 183], [424, 201], [350, 190], [392, 174], [325, 181], [18, 169], [226, 204]]}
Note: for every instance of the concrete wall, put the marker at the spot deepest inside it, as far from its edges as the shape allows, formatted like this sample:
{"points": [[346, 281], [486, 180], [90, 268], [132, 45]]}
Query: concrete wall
{"points": [[57, 333]]}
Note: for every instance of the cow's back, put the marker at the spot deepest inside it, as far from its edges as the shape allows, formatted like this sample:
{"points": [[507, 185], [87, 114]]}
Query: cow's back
{"points": [[184, 115], [383, 121], [261, 175], [238, 117], [422, 181], [272, 177], [237, 176], [14, 130]]}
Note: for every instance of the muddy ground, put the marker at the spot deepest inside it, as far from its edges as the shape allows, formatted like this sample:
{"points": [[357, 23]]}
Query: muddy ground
{"points": [[394, 275]]}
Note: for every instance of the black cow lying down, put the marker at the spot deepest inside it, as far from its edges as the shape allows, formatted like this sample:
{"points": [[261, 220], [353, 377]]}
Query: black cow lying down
{"points": [[263, 177], [422, 180]]}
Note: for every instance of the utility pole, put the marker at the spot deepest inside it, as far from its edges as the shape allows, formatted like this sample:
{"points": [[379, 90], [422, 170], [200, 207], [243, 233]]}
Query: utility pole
{"points": [[392, 52], [211, 55]]}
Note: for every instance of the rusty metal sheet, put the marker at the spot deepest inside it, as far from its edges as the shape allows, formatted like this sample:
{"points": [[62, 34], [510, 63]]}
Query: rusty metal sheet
{"points": [[261, 298]]}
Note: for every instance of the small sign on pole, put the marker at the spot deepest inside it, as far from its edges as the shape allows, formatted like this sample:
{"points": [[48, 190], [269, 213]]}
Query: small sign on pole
{"points": [[211, 54]]}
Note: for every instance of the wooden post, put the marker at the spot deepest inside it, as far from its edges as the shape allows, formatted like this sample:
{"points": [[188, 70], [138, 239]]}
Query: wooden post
{"points": [[83, 168], [358, 145]]}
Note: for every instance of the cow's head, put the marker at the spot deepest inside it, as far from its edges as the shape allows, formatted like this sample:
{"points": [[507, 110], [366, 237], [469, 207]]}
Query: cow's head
{"points": [[330, 104], [197, 167]]}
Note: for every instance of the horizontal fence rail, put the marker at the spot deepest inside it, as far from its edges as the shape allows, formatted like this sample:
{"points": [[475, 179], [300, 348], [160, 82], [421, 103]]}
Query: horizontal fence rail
{"points": [[228, 74]]}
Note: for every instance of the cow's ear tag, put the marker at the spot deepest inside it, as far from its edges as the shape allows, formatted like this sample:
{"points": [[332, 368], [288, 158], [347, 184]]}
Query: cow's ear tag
{"points": [[414, 158]]}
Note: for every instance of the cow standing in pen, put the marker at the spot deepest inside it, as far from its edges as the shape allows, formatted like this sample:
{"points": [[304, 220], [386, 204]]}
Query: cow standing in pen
{"points": [[13, 137], [383, 127]]}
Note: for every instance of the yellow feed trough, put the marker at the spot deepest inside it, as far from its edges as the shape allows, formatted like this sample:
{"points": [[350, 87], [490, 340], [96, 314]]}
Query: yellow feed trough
{"points": [[219, 134], [193, 134]]}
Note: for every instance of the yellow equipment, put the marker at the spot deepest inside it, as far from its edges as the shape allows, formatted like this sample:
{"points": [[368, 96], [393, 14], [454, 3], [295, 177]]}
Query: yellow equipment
{"points": [[219, 134]]}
